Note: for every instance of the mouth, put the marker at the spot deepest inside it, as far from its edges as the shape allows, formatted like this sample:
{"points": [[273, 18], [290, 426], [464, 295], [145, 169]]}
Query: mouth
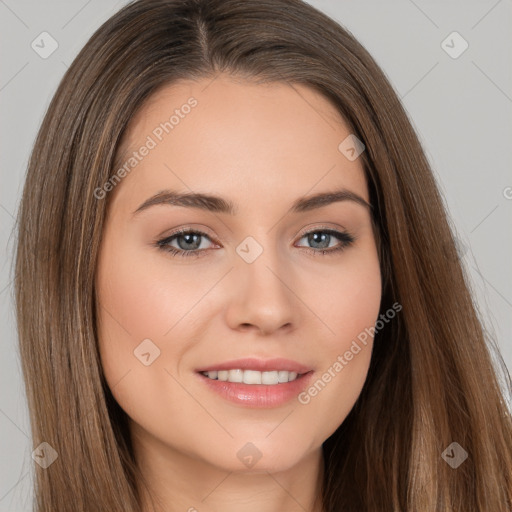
{"points": [[257, 383]]}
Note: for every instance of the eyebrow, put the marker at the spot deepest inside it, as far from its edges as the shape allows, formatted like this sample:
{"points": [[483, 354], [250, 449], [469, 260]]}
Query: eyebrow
{"points": [[218, 204]]}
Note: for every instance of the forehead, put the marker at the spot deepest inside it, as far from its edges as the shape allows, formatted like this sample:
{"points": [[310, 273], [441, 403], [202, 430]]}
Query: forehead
{"points": [[239, 139]]}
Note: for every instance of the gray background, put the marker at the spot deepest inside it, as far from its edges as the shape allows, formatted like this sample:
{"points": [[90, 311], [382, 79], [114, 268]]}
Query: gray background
{"points": [[461, 108]]}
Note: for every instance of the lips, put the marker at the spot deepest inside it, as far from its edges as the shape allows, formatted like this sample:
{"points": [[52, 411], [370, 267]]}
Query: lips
{"points": [[261, 365], [258, 395]]}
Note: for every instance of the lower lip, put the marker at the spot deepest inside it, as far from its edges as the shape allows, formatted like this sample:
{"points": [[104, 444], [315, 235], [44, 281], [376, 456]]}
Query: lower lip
{"points": [[258, 395]]}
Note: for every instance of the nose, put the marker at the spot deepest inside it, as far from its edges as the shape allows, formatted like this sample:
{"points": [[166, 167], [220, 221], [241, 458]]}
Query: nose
{"points": [[262, 297]]}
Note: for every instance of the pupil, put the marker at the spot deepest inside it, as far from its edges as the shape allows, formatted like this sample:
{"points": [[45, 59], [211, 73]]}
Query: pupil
{"points": [[319, 235], [187, 238]]}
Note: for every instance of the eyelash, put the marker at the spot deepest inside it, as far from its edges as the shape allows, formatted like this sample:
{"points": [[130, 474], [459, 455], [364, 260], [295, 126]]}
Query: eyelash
{"points": [[346, 240]]}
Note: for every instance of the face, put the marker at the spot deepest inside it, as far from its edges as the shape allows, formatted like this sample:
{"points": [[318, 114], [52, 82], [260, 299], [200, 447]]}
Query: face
{"points": [[277, 278]]}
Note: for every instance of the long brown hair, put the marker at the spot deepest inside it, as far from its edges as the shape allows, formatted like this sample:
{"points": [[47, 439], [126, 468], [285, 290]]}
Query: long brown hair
{"points": [[431, 380]]}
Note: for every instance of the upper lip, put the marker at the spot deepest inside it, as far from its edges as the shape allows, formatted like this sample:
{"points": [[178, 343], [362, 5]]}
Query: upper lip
{"points": [[261, 365]]}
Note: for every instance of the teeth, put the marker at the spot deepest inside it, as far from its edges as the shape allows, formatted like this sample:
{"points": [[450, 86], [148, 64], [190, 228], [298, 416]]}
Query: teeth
{"points": [[252, 376], [236, 376]]}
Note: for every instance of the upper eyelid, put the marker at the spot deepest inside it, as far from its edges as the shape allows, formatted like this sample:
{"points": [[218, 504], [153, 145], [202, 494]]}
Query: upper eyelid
{"points": [[307, 231]]}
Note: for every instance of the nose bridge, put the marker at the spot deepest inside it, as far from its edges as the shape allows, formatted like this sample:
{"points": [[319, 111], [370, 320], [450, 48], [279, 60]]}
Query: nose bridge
{"points": [[260, 256], [262, 294]]}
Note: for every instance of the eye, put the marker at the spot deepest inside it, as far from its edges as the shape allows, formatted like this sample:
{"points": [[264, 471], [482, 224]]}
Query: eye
{"points": [[321, 239], [188, 241]]}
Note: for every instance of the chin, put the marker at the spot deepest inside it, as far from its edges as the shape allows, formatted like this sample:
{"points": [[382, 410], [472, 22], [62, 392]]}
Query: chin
{"points": [[262, 457]]}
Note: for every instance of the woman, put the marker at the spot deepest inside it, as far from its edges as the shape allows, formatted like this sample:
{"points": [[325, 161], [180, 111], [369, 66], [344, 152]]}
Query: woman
{"points": [[254, 369]]}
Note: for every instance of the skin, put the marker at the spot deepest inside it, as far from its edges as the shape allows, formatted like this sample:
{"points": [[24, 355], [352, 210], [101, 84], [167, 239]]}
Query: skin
{"points": [[262, 147]]}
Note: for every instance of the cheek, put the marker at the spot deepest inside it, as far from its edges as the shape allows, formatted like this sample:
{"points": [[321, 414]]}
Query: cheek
{"points": [[143, 299], [354, 304], [350, 307], [141, 295], [141, 306], [347, 298]]}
